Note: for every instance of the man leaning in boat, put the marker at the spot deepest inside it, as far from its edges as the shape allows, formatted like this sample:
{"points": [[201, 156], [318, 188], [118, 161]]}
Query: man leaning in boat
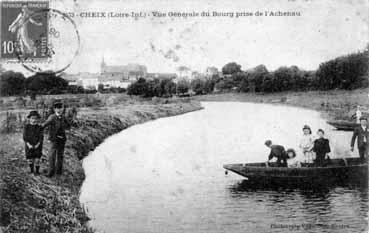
{"points": [[277, 151], [362, 134]]}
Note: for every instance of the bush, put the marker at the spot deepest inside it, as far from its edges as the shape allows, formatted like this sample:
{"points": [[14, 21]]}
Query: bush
{"points": [[198, 86], [347, 72], [140, 87], [11, 83], [183, 86], [156, 87], [231, 68], [46, 84]]}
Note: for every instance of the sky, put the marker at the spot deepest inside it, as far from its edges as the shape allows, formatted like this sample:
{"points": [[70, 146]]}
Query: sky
{"points": [[324, 30]]}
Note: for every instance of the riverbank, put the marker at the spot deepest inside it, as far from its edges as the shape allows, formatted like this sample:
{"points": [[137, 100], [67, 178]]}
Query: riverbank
{"points": [[334, 105], [39, 204]]}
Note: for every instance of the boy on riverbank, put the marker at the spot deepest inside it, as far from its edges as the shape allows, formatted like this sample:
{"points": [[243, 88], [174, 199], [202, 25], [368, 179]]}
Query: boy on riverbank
{"points": [[33, 138], [57, 124]]}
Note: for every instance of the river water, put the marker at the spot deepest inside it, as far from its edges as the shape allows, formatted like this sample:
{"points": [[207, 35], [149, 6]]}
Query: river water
{"points": [[167, 176]]}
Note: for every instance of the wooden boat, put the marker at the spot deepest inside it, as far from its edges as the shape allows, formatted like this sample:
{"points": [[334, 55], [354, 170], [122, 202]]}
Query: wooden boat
{"points": [[335, 170], [343, 125]]}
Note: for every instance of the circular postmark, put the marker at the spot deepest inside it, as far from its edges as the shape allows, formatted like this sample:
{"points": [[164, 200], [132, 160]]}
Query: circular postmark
{"points": [[56, 48]]}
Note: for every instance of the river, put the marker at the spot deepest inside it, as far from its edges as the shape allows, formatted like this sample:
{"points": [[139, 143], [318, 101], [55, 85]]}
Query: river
{"points": [[167, 176]]}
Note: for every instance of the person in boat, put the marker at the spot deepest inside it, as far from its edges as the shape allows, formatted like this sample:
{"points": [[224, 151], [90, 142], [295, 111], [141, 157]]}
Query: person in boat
{"points": [[292, 160], [277, 151], [307, 143], [321, 148], [358, 114], [362, 134]]}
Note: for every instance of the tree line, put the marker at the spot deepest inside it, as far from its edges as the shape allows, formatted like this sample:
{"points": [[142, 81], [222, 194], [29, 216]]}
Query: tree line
{"points": [[167, 87], [14, 83], [346, 72]]}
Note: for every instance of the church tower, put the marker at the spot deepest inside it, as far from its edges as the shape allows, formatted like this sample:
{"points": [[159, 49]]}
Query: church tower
{"points": [[103, 65]]}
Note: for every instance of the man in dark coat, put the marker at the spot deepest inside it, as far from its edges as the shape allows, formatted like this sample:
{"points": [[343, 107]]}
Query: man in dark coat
{"points": [[277, 151], [57, 124], [362, 134]]}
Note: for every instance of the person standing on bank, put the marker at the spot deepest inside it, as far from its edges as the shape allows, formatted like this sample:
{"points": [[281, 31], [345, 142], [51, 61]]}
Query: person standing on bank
{"points": [[57, 124], [321, 148], [33, 137], [362, 134]]}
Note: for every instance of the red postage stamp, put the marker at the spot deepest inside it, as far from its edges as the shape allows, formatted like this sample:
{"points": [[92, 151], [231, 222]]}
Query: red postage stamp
{"points": [[23, 31]]}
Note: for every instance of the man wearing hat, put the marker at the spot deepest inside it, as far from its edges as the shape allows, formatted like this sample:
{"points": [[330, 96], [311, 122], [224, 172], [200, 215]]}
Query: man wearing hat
{"points": [[362, 134], [33, 137], [57, 124]]}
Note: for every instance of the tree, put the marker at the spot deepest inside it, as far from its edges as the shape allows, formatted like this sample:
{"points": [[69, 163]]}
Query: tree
{"points": [[182, 70], [209, 85], [11, 83], [223, 85], [197, 86], [169, 87], [231, 68], [46, 83], [346, 72], [183, 86], [140, 87]]}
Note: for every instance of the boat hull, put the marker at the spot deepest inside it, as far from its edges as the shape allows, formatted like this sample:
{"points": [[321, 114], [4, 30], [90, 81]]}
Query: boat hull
{"points": [[343, 125], [337, 172]]}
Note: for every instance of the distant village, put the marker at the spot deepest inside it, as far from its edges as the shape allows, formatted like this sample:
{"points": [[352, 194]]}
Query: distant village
{"points": [[123, 75]]}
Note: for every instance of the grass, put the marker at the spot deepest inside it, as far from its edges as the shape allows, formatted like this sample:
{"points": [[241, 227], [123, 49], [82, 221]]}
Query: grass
{"points": [[39, 204]]}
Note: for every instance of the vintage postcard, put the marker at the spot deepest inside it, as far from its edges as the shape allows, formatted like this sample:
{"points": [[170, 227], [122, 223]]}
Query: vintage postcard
{"points": [[184, 116]]}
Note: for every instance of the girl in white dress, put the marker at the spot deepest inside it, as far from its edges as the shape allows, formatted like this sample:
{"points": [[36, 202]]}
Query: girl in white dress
{"points": [[307, 144]]}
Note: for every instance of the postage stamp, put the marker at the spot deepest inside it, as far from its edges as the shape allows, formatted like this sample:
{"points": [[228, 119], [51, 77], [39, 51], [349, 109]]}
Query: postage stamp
{"points": [[23, 31]]}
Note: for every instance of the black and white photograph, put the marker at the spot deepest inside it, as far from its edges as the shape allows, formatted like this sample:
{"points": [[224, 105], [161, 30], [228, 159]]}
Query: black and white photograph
{"points": [[184, 116]]}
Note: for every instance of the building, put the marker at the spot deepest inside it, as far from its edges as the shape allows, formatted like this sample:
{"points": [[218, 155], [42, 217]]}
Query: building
{"points": [[184, 72], [113, 82], [172, 76], [211, 70], [130, 72]]}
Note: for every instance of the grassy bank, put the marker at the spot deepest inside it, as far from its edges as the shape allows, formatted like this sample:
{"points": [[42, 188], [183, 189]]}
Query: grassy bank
{"points": [[39, 204], [333, 105]]}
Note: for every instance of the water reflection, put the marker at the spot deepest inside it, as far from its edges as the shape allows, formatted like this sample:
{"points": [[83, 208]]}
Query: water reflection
{"points": [[334, 208]]}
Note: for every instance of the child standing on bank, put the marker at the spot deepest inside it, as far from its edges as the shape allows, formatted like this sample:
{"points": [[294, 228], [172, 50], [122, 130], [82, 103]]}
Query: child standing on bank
{"points": [[33, 138], [307, 144]]}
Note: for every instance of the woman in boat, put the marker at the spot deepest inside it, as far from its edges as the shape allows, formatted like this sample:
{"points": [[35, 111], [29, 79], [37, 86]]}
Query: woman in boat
{"points": [[321, 148], [307, 143]]}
